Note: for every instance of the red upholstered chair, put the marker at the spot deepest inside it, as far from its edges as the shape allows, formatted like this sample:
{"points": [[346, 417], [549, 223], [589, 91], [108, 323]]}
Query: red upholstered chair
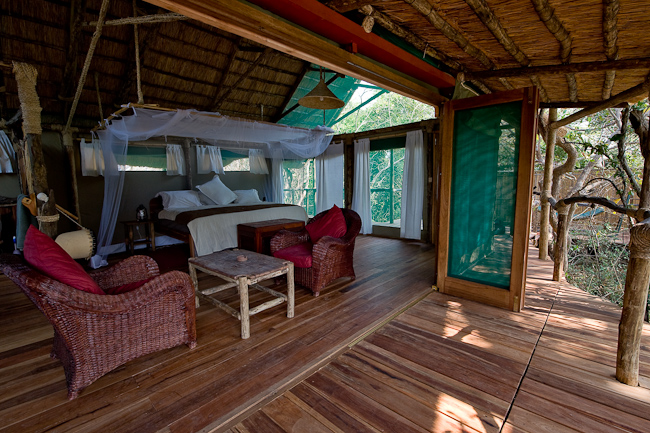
{"points": [[94, 334], [330, 257]]}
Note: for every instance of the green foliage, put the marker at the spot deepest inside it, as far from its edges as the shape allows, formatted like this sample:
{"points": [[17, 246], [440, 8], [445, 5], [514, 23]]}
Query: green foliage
{"points": [[390, 109], [598, 263], [386, 173], [300, 184]]}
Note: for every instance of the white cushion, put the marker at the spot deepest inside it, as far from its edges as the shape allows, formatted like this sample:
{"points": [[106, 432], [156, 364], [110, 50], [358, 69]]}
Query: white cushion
{"points": [[217, 191], [247, 196], [180, 199]]}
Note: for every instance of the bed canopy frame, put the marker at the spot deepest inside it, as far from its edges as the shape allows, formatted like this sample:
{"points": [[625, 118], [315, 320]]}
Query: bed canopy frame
{"points": [[276, 142]]}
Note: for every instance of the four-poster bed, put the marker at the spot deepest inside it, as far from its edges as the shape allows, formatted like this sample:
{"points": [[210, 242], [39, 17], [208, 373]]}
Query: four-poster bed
{"points": [[276, 142]]}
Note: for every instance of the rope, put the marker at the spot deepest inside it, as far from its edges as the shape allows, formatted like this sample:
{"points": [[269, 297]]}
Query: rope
{"points": [[89, 57], [29, 103], [144, 19], [99, 97], [137, 58], [46, 219]]}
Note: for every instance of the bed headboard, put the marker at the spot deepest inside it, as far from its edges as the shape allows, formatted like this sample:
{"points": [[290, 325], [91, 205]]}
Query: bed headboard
{"points": [[155, 206]]}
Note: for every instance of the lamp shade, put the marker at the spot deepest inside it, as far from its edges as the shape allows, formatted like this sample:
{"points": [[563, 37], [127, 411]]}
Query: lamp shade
{"points": [[321, 97]]}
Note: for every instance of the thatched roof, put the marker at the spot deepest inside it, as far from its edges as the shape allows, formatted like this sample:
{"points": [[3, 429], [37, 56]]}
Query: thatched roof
{"points": [[184, 63], [577, 52]]}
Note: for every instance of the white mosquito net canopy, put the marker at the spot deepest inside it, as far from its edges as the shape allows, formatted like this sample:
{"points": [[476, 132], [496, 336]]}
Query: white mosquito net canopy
{"points": [[275, 141]]}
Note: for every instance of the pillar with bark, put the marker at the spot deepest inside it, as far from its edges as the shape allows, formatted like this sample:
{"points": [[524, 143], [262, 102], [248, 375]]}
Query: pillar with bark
{"points": [[33, 160]]}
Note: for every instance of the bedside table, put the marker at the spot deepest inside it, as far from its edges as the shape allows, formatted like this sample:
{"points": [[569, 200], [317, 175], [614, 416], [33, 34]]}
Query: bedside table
{"points": [[149, 239]]}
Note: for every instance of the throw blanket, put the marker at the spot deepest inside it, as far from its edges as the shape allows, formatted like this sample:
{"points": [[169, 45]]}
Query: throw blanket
{"points": [[187, 216]]}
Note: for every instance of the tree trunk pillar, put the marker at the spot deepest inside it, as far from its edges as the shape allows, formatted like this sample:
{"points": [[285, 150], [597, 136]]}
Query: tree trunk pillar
{"points": [[188, 165], [31, 108], [547, 183], [561, 242], [634, 304]]}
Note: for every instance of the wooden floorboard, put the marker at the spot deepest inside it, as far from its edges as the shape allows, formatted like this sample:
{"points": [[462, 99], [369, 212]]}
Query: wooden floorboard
{"points": [[381, 353], [224, 379], [449, 365]]}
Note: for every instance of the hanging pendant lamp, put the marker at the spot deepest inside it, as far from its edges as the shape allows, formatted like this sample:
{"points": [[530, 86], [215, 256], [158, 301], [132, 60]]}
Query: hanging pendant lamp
{"points": [[321, 97]]}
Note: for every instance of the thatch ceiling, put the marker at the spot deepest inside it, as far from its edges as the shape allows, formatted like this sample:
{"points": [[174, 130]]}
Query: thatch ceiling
{"points": [[184, 63], [577, 52]]}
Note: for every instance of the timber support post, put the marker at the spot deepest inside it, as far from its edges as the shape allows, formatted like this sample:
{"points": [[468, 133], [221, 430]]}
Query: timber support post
{"points": [[630, 328], [546, 188], [188, 164], [561, 242], [32, 144]]}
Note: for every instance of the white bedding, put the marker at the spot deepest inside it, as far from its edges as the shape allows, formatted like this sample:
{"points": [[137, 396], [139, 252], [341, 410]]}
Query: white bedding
{"points": [[218, 232]]}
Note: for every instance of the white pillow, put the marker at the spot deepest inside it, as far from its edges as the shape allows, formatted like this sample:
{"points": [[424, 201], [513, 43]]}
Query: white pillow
{"points": [[247, 196], [217, 191], [180, 199], [205, 200]]}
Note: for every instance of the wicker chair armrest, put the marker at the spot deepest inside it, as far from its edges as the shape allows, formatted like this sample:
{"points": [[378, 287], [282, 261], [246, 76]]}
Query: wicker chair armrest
{"points": [[135, 268], [327, 242], [176, 284], [287, 238]]}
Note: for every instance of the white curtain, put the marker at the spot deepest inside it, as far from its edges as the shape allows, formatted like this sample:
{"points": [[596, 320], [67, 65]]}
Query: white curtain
{"points": [[257, 162], [175, 160], [92, 158], [7, 154], [329, 177], [208, 159], [361, 192], [412, 186], [277, 180]]}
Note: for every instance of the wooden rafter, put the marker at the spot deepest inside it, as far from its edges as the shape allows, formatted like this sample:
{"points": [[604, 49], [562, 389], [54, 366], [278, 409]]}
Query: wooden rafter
{"points": [[280, 113], [452, 34], [610, 37], [129, 73], [417, 42], [343, 6], [234, 49], [557, 29], [263, 56], [144, 19], [632, 93], [77, 9], [487, 17], [643, 63]]}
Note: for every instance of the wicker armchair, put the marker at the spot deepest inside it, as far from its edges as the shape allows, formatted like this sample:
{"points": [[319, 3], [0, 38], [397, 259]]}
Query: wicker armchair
{"points": [[332, 258], [94, 334]]}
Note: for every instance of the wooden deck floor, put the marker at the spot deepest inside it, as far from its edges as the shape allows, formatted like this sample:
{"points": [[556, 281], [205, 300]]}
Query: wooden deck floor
{"points": [[224, 376], [449, 365], [433, 363]]}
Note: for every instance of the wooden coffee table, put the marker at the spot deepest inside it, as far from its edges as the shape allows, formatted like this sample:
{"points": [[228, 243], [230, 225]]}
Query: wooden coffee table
{"points": [[243, 274]]}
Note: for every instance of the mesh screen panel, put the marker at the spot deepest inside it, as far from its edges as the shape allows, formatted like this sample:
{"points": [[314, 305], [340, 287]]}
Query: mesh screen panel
{"points": [[483, 189]]}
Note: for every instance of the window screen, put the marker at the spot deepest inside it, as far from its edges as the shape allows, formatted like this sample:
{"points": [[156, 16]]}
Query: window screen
{"points": [[483, 189]]}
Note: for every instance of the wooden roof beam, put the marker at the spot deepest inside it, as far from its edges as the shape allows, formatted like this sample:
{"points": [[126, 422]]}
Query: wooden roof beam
{"points": [[343, 6], [280, 113], [250, 22], [417, 42], [627, 95], [452, 34], [487, 17], [641, 63], [262, 57], [557, 29], [610, 36], [74, 36]]}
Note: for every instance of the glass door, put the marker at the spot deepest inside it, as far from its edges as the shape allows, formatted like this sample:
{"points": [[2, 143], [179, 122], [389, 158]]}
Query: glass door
{"points": [[486, 167]]}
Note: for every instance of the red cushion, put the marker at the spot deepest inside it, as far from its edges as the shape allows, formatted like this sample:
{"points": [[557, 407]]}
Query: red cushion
{"points": [[47, 256], [331, 224], [128, 287], [299, 254]]}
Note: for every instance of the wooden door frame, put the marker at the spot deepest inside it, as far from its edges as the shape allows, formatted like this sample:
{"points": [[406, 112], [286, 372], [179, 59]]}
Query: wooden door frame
{"points": [[512, 299]]}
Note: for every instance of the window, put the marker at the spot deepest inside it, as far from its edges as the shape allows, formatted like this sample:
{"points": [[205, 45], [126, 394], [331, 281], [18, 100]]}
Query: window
{"points": [[386, 171], [140, 158], [235, 161], [300, 184]]}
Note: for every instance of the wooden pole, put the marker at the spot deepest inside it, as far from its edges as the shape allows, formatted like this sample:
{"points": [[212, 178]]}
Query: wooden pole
{"points": [[31, 108], [634, 304], [546, 188], [561, 242], [188, 164]]}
